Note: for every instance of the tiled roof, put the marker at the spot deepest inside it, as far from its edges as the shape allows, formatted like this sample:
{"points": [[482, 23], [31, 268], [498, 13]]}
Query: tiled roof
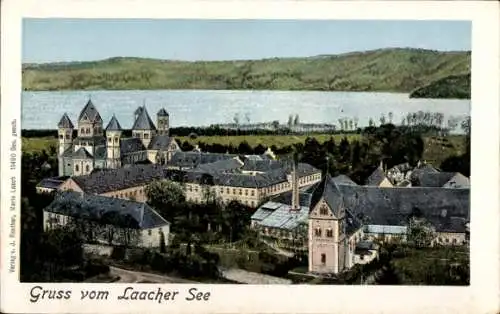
{"points": [[107, 210], [118, 179], [437, 179], [114, 125], [91, 112], [226, 166], [376, 177], [425, 168], [131, 145], [65, 122], [261, 165], [393, 206], [193, 159], [160, 142], [52, 183], [329, 191], [282, 216], [82, 153], [162, 113], [143, 121], [343, 179]]}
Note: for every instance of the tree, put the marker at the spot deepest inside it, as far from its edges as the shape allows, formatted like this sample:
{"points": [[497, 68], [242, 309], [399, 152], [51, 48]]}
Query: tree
{"points": [[391, 115], [290, 121], [166, 197], [382, 119], [341, 124], [371, 123], [420, 232], [296, 121]]}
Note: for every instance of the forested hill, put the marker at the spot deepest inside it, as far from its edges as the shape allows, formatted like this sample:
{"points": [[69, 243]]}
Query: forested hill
{"points": [[453, 86], [392, 70]]}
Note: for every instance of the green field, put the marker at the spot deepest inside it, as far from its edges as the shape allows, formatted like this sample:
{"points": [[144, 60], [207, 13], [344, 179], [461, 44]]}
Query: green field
{"points": [[435, 150], [391, 70]]}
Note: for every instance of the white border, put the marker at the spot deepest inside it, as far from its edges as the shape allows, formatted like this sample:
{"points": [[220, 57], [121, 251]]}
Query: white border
{"points": [[480, 297]]}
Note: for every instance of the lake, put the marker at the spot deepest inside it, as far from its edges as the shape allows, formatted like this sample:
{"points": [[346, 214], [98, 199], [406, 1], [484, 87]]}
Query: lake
{"points": [[43, 110]]}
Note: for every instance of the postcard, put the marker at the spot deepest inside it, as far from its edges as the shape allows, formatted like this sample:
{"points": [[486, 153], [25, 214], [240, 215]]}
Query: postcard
{"points": [[264, 157]]}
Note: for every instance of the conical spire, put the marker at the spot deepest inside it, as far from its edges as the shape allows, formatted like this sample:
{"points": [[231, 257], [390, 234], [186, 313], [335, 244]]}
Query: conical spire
{"points": [[90, 112], [162, 113], [65, 122], [114, 125], [143, 121]]}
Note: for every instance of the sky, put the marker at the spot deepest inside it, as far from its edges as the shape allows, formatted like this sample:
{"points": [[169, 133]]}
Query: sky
{"points": [[63, 40]]}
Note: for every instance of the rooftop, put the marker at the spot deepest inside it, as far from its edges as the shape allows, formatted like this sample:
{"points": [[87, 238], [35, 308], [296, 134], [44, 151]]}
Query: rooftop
{"points": [[106, 210]]}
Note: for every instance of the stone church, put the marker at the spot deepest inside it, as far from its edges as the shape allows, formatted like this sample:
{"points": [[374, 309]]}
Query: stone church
{"points": [[95, 147]]}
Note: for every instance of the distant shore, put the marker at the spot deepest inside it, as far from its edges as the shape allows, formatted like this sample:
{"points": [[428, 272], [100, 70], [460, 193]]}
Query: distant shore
{"points": [[401, 70]]}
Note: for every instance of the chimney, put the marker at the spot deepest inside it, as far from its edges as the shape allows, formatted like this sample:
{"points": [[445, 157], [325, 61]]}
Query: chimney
{"points": [[295, 188]]}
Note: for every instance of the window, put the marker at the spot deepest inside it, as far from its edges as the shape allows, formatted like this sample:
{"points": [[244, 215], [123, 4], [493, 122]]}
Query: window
{"points": [[323, 210], [323, 259], [87, 168], [109, 140], [228, 191], [221, 190], [246, 192], [82, 131], [77, 168], [317, 232], [253, 204], [149, 232], [234, 191], [146, 135], [240, 191], [253, 193], [87, 131], [116, 139], [61, 137], [329, 233]]}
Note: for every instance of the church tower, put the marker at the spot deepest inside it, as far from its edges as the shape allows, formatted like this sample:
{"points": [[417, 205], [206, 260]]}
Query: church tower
{"points": [[113, 136], [65, 132], [326, 229], [162, 122], [143, 128]]}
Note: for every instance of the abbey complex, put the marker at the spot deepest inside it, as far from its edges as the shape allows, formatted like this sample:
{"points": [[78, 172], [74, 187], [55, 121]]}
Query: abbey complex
{"points": [[299, 207]]}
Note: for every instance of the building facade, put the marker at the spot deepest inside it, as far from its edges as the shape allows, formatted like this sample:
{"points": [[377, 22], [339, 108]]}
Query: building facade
{"points": [[107, 220], [95, 147]]}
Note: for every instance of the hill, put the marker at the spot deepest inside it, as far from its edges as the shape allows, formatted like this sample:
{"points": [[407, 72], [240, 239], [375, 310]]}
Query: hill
{"points": [[396, 70], [453, 86]]}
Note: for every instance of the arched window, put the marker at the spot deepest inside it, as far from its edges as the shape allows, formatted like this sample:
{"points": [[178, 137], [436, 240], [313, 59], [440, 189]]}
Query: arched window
{"points": [[323, 259], [323, 210], [329, 233], [87, 168], [317, 232], [77, 168]]}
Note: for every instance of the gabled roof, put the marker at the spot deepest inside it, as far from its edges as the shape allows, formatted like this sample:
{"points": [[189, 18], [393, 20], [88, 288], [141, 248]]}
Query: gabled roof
{"points": [[52, 183], [377, 176], [65, 122], [143, 121], [104, 181], [106, 210], [90, 111], [114, 125], [328, 190], [162, 113], [82, 153]]}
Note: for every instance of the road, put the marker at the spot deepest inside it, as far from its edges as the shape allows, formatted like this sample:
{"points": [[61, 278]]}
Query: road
{"points": [[130, 276]]}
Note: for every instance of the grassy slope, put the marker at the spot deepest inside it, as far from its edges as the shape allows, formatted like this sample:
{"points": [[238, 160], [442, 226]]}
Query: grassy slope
{"points": [[400, 70], [454, 86], [435, 150]]}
